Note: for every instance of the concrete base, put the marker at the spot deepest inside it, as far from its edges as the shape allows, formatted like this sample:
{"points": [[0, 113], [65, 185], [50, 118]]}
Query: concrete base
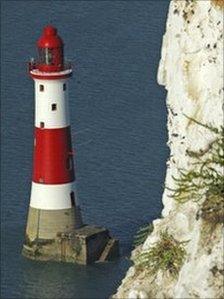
{"points": [[60, 236], [86, 245]]}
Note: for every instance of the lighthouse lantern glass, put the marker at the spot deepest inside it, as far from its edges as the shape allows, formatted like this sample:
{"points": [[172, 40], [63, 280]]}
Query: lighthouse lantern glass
{"points": [[51, 57], [46, 56]]}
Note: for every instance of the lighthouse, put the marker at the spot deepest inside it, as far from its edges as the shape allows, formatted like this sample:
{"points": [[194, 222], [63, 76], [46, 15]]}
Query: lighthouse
{"points": [[55, 230]]}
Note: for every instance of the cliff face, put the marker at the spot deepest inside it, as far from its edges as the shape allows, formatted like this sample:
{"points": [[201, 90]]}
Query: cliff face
{"points": [[191, 69]]}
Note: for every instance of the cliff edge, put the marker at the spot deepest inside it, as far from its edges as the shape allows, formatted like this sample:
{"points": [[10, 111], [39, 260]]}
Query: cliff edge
{"points": [[183, 255]]}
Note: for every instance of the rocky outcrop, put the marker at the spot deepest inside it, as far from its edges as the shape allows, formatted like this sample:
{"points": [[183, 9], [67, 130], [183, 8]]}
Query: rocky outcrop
{"points": [[191, 69]]}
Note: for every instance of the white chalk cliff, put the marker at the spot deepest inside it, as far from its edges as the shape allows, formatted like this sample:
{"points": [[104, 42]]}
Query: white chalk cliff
{"points": [[191, 69]]}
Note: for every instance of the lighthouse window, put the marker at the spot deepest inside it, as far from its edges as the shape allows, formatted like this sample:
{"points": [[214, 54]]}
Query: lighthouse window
{"points": [[72, 196], [42, 124], [64, 86], [41, 87], [54, 107]]}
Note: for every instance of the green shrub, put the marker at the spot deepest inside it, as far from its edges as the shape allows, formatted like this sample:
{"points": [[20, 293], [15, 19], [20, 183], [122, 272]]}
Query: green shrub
{"points": [[203, 178], [167, 255], [142, 235]]}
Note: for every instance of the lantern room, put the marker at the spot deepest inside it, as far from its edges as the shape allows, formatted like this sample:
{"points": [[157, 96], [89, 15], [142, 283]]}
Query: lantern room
{"points": [[50, 51]]}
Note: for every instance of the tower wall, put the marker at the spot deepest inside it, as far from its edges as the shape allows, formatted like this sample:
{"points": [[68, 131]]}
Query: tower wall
{"points": [[53, 156], [52, 197], [48, 93], [41, 223], [53, 206]]}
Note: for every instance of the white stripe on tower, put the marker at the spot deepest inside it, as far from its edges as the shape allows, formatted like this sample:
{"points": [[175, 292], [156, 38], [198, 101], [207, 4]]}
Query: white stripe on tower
{"points": [[48, 93], [51, 197]]}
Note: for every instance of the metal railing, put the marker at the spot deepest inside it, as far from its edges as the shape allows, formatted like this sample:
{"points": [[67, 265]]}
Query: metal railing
{"points": [[33, 65]]}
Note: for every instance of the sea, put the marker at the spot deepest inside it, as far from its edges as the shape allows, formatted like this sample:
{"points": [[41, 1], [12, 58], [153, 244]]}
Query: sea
{"points": [[118, 118]]}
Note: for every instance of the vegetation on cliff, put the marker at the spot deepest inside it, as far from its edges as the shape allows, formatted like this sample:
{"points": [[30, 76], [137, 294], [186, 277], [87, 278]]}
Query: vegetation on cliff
{"points": [[142, 235], [205, 179], [167, 255]]}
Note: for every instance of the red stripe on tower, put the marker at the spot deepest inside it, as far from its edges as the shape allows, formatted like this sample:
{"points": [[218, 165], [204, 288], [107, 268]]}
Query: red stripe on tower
{"points": [[53, 156]]}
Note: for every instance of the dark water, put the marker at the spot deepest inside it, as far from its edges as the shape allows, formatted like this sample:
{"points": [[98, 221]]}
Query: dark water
{"points": [[118, 117]]}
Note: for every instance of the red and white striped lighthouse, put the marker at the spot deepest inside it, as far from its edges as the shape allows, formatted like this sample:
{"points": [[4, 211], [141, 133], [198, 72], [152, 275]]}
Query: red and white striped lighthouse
{"points": [[53, 204], [54, 228]]}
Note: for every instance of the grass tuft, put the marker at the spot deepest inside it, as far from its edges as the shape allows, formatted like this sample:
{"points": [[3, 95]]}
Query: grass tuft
{"points": [[167, 255], [203, 178], [142, 235]]}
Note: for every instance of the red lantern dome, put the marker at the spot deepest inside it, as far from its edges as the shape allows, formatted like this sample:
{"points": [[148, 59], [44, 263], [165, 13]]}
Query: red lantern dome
{"points": [[50, 64]]}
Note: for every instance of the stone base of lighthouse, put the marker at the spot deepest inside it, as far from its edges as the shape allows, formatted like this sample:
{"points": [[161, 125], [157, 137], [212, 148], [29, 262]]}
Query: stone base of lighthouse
{"points": [[59, 235]]}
